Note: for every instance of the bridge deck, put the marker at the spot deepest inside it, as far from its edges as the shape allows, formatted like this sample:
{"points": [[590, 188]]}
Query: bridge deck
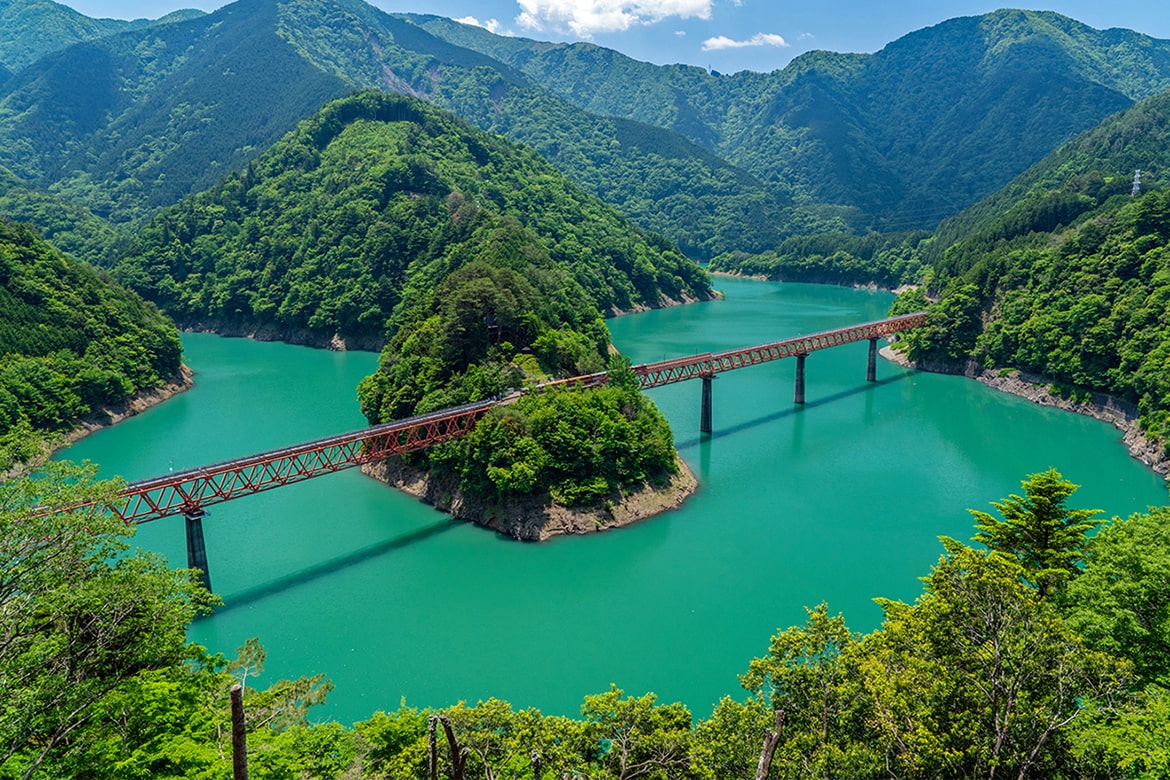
{"points": [[188, 491]]}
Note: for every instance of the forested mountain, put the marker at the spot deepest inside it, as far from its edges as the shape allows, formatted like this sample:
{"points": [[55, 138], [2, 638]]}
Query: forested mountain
{"points": [[383, 217], [909, 135], [374, 200], [131, 123], [30, 29], [1065, 273], [71, 343]]}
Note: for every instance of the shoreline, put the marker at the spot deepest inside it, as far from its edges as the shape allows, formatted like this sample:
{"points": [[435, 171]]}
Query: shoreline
{"points": [[874, 286], [1122, 415], [535, 518], [105, 417], [134, 405]]}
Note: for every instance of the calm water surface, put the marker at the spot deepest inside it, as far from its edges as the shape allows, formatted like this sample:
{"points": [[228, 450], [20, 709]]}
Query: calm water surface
{"points": [[841, 501]]}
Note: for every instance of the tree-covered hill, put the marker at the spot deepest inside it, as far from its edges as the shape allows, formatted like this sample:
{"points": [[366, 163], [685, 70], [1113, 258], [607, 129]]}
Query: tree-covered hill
{"points": [[383, 218], [132, 122], [374, 200], [30, 29], [71, 343], [1065, 273], [911, 134]]}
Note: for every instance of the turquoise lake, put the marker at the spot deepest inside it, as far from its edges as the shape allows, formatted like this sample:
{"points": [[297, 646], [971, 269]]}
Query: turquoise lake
{"points": [[841, 500]]}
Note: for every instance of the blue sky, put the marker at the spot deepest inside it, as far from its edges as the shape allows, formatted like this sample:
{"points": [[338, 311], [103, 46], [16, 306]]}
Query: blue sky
{"points": [[727, 35]]}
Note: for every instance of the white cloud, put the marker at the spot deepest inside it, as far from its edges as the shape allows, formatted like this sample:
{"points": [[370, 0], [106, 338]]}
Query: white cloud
{"points": [[586, 17], [759, 39], [491, 25]]}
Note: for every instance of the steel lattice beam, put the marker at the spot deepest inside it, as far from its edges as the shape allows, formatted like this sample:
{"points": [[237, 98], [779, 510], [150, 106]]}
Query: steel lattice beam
{"points": [[668, 372], [187, 492]]}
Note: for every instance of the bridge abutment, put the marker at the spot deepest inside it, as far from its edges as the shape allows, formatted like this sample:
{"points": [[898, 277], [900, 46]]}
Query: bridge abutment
{"points": [[196, 550], [798, 398]]}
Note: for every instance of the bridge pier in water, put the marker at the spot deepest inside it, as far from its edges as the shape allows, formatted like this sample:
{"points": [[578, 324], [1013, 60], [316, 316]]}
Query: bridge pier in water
{"points": [[871, 367], [798, 398], [196, 550], [705, 412]]}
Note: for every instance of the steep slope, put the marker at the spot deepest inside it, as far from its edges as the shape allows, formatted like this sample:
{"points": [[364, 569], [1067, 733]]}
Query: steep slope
{"points": [[133, 122], [911, 134], [1065, 273], [71, 343], [377, 199], [30, 29]]}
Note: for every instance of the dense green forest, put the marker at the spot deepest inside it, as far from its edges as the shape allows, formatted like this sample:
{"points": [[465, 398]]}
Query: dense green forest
{"points": [[126, 124], [383, 220], [1065, 273], [1040, 651], [376, 199], [71, 343], [33, 28], [881, 259], [130, 123], [910, 134]]}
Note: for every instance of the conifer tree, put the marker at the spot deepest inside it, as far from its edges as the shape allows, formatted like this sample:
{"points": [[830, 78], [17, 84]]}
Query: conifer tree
{"points": [[1046, 536]]}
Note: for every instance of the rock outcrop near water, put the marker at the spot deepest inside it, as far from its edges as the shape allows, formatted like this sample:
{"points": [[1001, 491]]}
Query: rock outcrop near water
{"points": [[534, 518], [1101, 406]]}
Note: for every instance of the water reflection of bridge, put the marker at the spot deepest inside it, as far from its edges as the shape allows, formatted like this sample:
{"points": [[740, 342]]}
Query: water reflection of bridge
{"points": [[189, 492]]}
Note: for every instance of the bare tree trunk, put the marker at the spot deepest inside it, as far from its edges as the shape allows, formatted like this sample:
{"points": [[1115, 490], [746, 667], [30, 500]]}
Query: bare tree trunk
{"points": [[771, 741], [536, 765], [459, 753], [239, 735], [432, 744]]}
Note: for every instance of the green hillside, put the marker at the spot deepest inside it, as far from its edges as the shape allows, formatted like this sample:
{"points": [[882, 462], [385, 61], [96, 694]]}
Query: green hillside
{"points": [[133, 122], [376, 199], [30, 29], [1066, 274], [71, 344], [911, 134]]}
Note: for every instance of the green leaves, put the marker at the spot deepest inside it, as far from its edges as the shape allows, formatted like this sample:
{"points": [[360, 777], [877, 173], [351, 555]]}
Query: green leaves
{"points": [[1038, 530]]}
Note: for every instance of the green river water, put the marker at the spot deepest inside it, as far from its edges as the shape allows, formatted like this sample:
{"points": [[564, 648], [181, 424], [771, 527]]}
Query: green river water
{"points": [[842, 500]]}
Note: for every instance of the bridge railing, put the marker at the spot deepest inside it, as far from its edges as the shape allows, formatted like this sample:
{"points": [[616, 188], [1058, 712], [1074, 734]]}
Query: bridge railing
{"points": [[667, 372], [186, 492]]}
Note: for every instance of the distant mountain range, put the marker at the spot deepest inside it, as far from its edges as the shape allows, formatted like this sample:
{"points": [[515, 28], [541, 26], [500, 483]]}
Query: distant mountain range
{"points": [[126, 118]]}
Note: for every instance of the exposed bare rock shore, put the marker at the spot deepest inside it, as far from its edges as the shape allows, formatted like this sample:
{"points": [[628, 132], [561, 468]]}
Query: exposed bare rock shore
{"points": [[270, 332], [135, 404], [535, 518], [1121, 414]]}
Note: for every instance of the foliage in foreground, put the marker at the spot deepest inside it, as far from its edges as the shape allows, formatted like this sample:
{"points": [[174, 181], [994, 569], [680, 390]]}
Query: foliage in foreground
{"points": [[984, 675]]}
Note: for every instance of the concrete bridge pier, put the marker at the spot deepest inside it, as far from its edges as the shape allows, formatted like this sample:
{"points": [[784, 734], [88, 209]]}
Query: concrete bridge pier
{"points": [[705, 412], [871, 368], [196, 551], [799, 397]]}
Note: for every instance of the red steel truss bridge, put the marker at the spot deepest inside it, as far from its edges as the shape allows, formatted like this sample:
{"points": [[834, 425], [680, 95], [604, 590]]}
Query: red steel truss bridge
{"points": [[189, 492]]}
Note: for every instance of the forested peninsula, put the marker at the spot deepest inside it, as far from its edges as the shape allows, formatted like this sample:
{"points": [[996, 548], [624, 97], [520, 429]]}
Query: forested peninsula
{"points": [[383, 220]]}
